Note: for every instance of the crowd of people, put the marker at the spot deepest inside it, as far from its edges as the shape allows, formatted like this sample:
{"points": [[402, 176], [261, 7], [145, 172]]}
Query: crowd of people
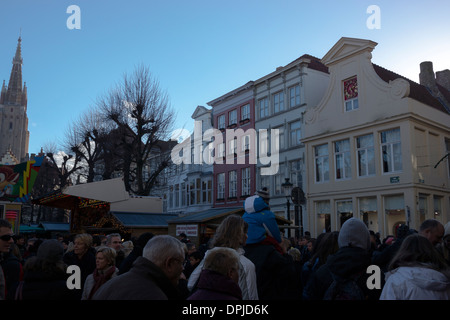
{"points": [[248, 258]]}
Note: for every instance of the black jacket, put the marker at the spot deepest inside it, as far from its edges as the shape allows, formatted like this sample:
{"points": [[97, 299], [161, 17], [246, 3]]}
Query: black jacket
{"points": [[346, 263], [40, 285], [275, 272], [144, 281]]}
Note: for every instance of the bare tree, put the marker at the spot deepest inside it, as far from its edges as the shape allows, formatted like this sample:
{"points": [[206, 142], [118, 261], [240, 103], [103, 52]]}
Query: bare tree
{"points": [[143, 118]]}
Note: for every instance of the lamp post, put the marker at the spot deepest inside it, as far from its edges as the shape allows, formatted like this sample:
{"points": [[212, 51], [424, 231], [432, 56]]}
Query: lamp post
{"points": [[287, 187]]}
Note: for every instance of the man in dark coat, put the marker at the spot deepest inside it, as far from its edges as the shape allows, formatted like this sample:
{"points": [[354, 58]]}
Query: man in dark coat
{"points": [[350, 262], [154, 275]]}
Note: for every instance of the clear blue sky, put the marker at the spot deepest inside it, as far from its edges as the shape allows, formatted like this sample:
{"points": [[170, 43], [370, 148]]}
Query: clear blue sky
{"points": [[197, 49]]}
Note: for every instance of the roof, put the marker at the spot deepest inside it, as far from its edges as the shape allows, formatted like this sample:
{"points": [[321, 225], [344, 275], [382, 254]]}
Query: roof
{"points": [[206, 215], [214, 213], [417, 91], [139, 219], [55, 226]]}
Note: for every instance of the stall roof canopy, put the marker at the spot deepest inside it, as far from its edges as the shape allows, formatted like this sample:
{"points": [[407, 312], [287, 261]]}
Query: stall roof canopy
{"points": [[111, 190], [104, 192], [214, 213], [139, 219], [55, 226]]}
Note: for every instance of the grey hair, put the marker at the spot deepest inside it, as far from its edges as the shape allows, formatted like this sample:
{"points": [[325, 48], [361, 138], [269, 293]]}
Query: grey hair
{"points": [[111, 235], [161, 247]]}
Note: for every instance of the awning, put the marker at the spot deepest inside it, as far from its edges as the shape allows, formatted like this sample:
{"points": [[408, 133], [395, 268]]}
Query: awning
{"points": [[214, 213], [143, 220], [55, 226], [30, 229]]}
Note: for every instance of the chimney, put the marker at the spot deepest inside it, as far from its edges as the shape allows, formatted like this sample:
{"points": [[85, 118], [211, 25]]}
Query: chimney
{"points": [[443, 78], [427, 77]]}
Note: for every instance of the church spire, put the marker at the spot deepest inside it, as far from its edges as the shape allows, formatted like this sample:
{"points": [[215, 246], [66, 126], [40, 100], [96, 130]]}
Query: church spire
{"points": [[15, 89]]}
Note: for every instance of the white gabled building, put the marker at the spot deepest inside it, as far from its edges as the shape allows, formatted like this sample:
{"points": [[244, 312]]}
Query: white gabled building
{"points": [[373, 146], [190, 185]]}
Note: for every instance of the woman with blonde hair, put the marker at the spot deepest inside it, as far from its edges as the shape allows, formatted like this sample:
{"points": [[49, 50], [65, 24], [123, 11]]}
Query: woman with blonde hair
{"points": [[105, 260], [232, 233], [82, 255]]}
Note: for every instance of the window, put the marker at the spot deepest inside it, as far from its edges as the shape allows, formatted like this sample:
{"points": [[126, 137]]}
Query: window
{"points": [[321, 163], [221, 122], [365, 155], [295, 133], [294, 96], [342, 158], [206, 191], [351, 94], [232, 117], [232, 147], [245, 112], [344, 210], [232, 184], [245, 182], [221, 186], [263, 108], [296, 173], [264, 180], [177, 195], [221, 150], [183, 194], [279, 180], [391, 150], [279, 144], [447, 147], [245, 143], [278, 101], [10, 126]]}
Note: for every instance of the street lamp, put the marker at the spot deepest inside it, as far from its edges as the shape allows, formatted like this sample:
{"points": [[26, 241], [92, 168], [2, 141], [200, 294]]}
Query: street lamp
{"points": [[287, 187]]}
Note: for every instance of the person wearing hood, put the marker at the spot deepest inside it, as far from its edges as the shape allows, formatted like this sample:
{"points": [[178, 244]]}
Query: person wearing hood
{"points": [[262, 226], [417, 272], [275, 268], [349, 263]]}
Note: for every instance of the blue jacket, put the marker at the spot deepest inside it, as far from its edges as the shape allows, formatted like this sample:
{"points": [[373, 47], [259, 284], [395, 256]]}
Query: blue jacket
{"points": [[261, 221]]}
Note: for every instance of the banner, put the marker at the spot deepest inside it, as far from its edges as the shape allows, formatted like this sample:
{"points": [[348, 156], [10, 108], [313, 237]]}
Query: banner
{"points": [[16, 181]]}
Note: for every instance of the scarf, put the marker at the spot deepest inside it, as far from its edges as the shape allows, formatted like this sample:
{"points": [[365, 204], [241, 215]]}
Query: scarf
{"points": [[100, 277]]}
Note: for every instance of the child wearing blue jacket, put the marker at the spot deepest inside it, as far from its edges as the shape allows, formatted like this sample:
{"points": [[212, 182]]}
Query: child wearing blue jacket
{"points": [[262, 226]]}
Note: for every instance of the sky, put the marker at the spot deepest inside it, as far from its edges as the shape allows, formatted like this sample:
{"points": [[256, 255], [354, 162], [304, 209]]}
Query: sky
{"points": [[198, 50]]}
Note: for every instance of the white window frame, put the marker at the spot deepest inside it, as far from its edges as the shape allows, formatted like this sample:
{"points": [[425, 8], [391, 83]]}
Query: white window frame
{"points": [[324, 161], [263, 107], [232, 184], [232, 117], [389, 147], [278, 102], [246, 181], [221, 122], [294, 96], [365, 167], [344, 157], [293, 141], [245, 112], [221, 185]]}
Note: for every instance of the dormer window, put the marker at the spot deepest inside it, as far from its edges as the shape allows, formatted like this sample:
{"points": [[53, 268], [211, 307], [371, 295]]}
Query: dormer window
{"points": [[351, 94]]}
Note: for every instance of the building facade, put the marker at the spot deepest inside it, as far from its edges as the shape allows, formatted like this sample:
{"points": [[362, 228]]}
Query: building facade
{"points": [[14, 134], [373, 145], [281, 98], [234, 147], [190, 183]]}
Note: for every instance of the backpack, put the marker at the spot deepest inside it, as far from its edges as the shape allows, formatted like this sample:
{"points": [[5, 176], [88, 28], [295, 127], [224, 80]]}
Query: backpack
{"points": [[344, 289]]}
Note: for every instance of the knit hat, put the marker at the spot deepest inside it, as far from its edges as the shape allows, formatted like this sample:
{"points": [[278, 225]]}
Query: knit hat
{"points": [[354, 233], [447, 229], [263, 193], [50, 250]]}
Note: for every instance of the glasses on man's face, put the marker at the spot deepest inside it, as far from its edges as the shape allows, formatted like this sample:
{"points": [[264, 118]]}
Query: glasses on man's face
{"points": [[6, 237]]}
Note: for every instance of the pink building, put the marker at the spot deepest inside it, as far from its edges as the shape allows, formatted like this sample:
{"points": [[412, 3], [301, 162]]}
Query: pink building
{"points": [[234, 169]]}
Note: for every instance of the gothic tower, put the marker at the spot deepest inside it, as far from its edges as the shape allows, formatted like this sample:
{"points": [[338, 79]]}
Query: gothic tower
{"points": [[14, 134]]}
